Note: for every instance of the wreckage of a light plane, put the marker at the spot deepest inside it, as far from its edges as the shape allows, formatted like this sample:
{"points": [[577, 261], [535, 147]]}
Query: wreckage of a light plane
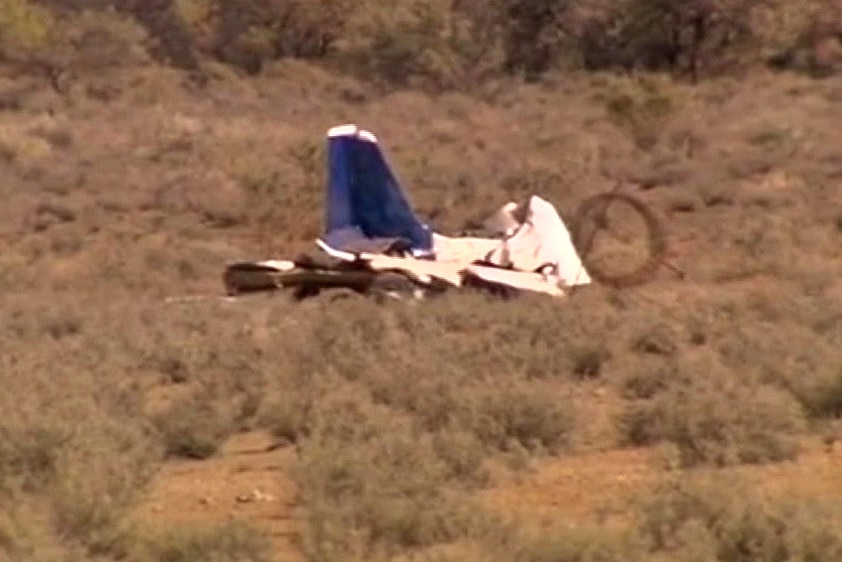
{"points": [[373, 241]]}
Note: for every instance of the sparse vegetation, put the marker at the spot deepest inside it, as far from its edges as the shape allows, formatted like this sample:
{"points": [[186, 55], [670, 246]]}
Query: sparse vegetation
{"points": [[193, 429], [445, 43], [714, 420], [144, 144], [25, 26], [231, 542], [707, 519]]}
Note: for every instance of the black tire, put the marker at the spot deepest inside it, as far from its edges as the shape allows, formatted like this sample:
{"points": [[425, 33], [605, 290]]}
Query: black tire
{"points": [[586, 224]]}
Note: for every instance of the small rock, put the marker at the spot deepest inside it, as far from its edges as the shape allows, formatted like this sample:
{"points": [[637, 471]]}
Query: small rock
{"points": [[280, 443], [254, 496]]}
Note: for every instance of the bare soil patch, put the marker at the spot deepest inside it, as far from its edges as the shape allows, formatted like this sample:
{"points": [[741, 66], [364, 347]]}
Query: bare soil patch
{"points": [[245, 481], [602, 487]]}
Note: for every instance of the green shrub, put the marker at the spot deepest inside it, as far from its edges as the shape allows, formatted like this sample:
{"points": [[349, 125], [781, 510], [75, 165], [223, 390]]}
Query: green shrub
{"points": [[804, 38], [287, 416], [518, 541], [727, 520], [642, 106], [712, 417], [646, 380], [193, 428], [820, 393], [234, 541], [587, 361], [424, 43], [685, 37], [577, 545], [371, 483], [247, 33], [89, 39], [534, 34], [25, 27], [75, 455], [172, 43], [463, 453], [717, 518], [528, 417], [453, 44], [92, 29], [30, 455], [91, 500]]}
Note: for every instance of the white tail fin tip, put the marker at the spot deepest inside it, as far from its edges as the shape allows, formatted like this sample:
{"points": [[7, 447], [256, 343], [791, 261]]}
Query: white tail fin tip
{"points": [[351, 130]]}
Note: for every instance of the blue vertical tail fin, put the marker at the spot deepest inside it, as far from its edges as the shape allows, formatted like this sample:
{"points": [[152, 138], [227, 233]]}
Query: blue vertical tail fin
{"points": [[366, 207]]}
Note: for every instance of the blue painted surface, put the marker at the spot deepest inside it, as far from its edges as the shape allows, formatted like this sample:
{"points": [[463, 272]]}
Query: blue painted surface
{"points": [[365, 202]]}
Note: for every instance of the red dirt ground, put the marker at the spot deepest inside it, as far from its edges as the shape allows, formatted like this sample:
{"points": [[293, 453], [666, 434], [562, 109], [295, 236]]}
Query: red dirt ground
{"points": [[580, 489], [246, 481]]}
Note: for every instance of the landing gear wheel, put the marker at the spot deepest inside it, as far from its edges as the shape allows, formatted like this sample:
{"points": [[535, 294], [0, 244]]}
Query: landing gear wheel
{"points": [[592, 219]]}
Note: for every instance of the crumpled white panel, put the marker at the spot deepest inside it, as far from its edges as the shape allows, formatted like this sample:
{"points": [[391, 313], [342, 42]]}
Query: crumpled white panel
{"points": [[542, 240]]}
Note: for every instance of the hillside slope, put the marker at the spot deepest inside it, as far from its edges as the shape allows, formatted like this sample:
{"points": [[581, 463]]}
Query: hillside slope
{"points": [[136, 184]]}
